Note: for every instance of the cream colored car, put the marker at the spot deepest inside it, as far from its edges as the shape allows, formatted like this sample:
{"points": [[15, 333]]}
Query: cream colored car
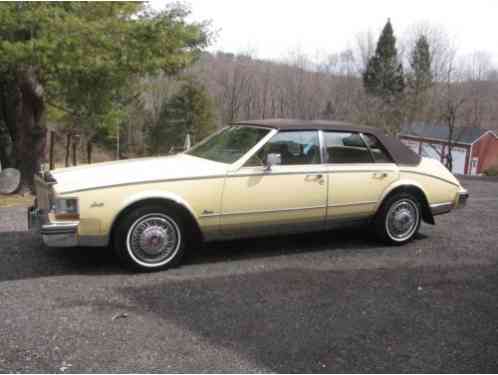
{"points": [[252, 178]]}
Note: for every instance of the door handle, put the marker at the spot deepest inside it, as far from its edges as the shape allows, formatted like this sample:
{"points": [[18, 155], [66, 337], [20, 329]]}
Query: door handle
{"points": [[380, 175], [313, 176]]}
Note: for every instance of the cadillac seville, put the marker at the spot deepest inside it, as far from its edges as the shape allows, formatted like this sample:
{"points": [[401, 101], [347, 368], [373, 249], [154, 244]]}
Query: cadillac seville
{"points": [[251, 178]]}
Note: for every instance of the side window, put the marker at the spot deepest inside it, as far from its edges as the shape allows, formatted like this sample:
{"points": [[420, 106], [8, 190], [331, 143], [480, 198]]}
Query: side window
{"points": [[294, 147], [378, 151], [345, 147]]}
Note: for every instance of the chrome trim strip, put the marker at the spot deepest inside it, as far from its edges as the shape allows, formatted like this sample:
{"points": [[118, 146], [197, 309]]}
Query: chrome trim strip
{"points": [[229, 175], [312, 171], [59, 228], [429, 175], [441, 208], [203, 216], [378, 169], [270, 211], [276, 173], [352, 204]]}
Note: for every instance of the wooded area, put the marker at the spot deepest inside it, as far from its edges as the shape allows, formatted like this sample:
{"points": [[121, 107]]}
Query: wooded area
{"points": [[134, 82]]}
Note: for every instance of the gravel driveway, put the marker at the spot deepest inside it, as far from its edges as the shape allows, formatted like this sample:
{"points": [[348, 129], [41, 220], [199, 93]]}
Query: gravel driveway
{"points": [[330, 302]]}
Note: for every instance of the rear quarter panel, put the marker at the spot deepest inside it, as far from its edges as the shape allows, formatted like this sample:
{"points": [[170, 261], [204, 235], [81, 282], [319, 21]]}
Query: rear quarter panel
{"points": [[438, 184]]}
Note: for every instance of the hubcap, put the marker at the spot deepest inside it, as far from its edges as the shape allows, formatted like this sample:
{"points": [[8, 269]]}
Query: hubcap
{"points": [[153, 240], [402, 220]]}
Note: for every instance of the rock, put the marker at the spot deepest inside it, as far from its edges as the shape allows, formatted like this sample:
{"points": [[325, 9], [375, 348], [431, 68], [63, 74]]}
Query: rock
{"points": [[120, 316], [10, 180]]}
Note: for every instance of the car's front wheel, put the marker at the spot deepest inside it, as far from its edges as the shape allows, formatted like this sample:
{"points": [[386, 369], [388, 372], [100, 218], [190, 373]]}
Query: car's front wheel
{"points": [[150, 238], [398, 219]]}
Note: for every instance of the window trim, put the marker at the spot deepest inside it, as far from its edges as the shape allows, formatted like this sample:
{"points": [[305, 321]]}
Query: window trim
{"points": [[368, 147]]}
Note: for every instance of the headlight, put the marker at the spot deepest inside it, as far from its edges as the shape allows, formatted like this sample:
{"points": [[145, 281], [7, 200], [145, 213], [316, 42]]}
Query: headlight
{"points": [[65, 208]]}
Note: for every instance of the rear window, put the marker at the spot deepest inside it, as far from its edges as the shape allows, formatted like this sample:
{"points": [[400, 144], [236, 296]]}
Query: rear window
{"points": [[346, 147], [378, 150]]}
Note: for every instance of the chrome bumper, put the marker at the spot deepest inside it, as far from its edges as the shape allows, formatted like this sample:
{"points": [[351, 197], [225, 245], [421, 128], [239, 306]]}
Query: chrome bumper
{"points": [[54, 234], [463, 196], [443, 208]]}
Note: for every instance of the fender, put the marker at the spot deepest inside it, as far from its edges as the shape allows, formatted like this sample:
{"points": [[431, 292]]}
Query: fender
{"points": [[150, 194], [397, 184], [409, 183]]}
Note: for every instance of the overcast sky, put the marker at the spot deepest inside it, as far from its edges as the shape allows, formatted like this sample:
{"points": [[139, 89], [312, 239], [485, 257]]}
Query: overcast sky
{"points": [[273, 28]]}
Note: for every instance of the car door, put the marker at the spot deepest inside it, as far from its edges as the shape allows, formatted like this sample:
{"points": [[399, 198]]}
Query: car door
{"points": [[358, 175], [288, 197]]}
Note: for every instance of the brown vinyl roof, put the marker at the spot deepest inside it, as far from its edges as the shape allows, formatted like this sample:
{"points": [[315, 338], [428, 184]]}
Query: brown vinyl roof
{"points": [[400, 153], [290, 124]]}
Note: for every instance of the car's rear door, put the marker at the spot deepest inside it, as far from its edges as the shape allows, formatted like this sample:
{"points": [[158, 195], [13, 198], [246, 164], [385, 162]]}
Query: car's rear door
{"points": [[358, 174], [289, 197]]}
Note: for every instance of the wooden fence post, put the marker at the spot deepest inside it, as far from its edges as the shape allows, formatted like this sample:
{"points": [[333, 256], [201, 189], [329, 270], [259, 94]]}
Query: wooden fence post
{"points": [[68, 147], [89, 149], [75, 149], [51, 150]]}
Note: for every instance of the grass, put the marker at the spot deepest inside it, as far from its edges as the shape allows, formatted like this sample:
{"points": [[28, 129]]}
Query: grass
{"points": [[16, 200]]}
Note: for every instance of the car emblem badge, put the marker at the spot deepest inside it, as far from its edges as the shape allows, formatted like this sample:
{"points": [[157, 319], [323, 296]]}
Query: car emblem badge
{"points": [[95, 205]]}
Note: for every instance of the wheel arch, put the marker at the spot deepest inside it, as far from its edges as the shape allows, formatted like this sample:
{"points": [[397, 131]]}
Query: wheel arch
{"points": [[171, 201], [415, 189]]}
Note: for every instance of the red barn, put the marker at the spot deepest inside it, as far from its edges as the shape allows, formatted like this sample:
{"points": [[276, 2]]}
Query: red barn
{"points": [[474, 150]]}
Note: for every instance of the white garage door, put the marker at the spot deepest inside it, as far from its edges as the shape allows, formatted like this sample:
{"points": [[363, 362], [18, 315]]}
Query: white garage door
{"points": [[458, 154]]}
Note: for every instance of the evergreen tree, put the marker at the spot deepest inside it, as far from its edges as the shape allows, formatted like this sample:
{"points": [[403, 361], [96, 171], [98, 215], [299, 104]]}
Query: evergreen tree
{"points": [[190, 110], [384, 74], [420, 78]]}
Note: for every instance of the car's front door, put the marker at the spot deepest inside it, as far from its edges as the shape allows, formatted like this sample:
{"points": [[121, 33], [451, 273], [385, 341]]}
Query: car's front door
{"points": [[358, 175], [288, 197]]}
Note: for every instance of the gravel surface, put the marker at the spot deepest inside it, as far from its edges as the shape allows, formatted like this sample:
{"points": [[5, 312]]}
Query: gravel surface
{"points": [[330, 302]]}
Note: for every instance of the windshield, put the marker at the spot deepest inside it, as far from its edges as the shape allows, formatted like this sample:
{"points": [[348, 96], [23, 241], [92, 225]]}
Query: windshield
{"points": [[230, 144]]}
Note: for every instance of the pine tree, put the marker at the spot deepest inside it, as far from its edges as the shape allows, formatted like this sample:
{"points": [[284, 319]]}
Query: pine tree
{"points": [[384, 74], [420, 78], [191, 110]]}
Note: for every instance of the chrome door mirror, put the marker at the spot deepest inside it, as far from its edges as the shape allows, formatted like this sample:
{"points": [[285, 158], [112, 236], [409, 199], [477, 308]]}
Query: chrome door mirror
{"points": [[271, 160]]}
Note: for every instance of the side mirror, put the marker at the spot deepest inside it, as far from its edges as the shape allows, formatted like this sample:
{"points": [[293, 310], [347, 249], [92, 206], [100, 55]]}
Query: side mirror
{"points": [[271, 160]]}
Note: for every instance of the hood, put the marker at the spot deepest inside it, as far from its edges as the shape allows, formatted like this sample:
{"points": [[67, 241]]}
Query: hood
{"points": [[133, 171]]}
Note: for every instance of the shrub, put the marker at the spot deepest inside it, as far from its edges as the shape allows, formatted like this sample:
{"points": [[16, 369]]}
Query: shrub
{"points": [[492, 171]]}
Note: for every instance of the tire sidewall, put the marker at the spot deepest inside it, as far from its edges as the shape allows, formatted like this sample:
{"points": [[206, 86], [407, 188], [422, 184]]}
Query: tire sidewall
{"points": [[381, 220], [124, 229]]}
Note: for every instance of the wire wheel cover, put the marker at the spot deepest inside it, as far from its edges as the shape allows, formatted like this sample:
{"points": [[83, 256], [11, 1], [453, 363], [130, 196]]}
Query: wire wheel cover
{"points": [[402, 219], [153, 239]]}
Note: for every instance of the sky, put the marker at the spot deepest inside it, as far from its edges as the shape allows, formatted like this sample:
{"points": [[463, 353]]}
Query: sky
{"points": [[271, 29]]}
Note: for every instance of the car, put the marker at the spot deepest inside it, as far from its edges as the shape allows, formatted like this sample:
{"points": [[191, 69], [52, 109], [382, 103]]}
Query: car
{"points": [[251, 178]]}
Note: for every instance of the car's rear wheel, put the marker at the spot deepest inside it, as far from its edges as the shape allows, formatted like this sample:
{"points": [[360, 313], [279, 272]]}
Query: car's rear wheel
{"points": [[150, 238], [398, 219]]}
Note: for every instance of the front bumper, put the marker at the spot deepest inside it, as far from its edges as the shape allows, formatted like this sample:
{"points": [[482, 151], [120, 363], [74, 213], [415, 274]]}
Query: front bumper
{"points": [[54, 234]]}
